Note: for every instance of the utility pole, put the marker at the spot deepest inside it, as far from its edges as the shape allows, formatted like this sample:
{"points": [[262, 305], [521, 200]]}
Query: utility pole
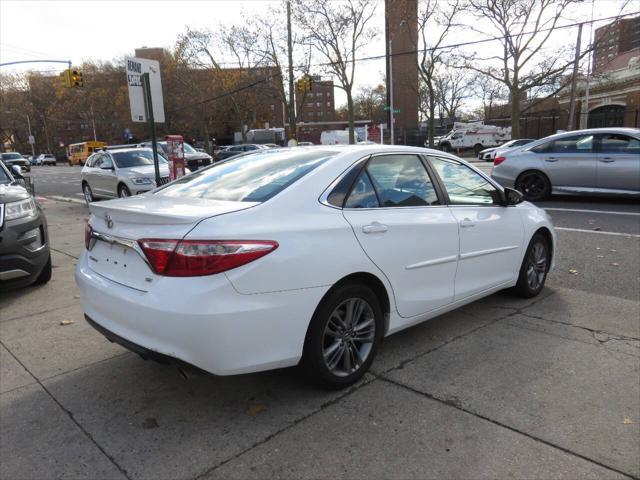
{"points": [[93, 124], [33, 152], [293, 133], [576, 61], [391, 119]]}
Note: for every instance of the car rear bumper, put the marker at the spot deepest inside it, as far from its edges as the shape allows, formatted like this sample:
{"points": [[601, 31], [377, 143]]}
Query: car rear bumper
{"points": [[202, 321]]}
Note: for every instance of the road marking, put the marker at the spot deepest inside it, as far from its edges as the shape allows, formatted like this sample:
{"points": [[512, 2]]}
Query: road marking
{"points": [[65, 199], [579, 210], [580, 230]]}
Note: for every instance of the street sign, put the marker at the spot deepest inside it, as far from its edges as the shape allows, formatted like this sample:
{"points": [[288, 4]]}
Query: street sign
{"points": [[32, 139], [136, 67]]}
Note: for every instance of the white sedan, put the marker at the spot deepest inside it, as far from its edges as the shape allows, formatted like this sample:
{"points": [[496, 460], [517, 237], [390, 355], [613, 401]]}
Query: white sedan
{"points": [[309, 256]]}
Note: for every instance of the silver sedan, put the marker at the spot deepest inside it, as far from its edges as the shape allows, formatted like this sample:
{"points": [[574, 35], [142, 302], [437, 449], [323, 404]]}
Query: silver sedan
{"points": [[594, 161]]}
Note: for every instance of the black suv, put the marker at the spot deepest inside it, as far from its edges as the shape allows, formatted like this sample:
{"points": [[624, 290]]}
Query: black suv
{"points": [[24, 241]]}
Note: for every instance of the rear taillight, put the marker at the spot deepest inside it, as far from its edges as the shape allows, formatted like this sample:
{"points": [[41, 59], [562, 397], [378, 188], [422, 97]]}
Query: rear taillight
{"points": [[498, 160], [191, 258], [88, 231]]}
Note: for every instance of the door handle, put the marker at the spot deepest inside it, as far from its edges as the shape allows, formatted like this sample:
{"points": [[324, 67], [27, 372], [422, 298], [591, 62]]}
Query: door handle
{"points": [[467, 223], [607, 160], [551, 159], [374, 227]]}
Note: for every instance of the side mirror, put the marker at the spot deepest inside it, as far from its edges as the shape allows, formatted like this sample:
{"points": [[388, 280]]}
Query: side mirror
{"points": [[513, 197], [16, 171]]}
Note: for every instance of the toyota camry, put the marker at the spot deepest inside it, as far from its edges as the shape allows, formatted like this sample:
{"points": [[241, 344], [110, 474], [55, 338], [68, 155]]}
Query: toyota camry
{"points": [[305, 256]]}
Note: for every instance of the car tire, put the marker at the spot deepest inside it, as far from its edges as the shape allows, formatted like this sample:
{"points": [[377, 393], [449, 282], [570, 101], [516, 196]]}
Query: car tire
{"points": [[337, 351], [123, 191], [534, 185], [534, 268], [88, 194], [45, 274]]}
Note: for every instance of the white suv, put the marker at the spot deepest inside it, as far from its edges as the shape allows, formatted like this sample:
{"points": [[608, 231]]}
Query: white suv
{"points": [[121, 173]]}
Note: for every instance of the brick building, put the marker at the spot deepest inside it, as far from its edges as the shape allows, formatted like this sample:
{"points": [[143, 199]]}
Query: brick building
{"points": [[615, 39]]}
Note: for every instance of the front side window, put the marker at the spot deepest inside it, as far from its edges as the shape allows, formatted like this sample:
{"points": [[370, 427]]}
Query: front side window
{"points": [[463, 185], [616, 143], [248, 178], [572, 144]]}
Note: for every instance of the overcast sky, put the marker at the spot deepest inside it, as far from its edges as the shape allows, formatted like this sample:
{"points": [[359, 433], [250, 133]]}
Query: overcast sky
{"points": [[104, 30]]}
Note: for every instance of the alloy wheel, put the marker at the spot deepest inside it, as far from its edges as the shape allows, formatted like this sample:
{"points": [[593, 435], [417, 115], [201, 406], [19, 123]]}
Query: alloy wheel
{"points": [[533, 186], [88, 196], [537, 265], [348, 337]]}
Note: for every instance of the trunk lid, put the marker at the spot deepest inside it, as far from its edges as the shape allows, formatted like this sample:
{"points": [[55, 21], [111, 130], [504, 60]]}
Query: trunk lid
{"points": [[128, 220]]}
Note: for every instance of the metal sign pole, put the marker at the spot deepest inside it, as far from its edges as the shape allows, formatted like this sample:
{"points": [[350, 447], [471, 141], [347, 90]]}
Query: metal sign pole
{"points": [[148, 106]]}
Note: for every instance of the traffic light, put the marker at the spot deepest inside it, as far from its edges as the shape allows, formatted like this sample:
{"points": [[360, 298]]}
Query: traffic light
{"points": [[305, 84], [76, 78], [65, 78], [72, 77]]}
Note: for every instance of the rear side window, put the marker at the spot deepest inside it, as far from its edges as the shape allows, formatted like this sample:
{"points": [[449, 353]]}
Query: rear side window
{"points": [[572, 144], [393, 181], [250, 178]]}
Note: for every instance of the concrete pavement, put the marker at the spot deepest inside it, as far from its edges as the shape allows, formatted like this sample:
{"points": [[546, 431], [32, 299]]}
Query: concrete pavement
{"points": [[502, 388]]}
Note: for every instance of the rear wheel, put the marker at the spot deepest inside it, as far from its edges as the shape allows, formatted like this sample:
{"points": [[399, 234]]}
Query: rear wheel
{"points": [[343, 336], [123, 191], [534, 268], [534, 185]]}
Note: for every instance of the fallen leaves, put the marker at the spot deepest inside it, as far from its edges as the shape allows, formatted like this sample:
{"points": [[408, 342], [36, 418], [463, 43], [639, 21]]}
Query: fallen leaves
{"points": [[255, 409], [627, 421], [573, 271], [615, 264], [66, 322]]}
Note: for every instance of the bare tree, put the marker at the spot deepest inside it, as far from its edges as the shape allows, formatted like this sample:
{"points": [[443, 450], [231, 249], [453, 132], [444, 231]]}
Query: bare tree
{"points": [[369, 103], [523, 62], [452, 88], [435, 23], [337, 31]]}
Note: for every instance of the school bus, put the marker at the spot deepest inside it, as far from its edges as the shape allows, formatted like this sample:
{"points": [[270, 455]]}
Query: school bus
{"points": [[79, 152]]}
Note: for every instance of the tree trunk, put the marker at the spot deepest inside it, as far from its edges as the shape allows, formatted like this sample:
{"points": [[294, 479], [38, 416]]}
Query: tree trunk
{"points": [[515, 113], [350, 118]]}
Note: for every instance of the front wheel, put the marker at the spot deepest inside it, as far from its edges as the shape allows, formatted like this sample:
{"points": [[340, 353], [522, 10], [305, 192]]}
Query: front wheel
{"points": [[88, 194], [343, 336], [123, 191], [534, 268], [534, 186]]}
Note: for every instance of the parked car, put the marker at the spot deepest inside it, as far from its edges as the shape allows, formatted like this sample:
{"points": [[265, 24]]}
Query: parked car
{"points": [[47, 159], [234, 150], [193, 158], [305, 255], [121, 173], [488, 154], [24, 241], [593, 161], [14, 158]]}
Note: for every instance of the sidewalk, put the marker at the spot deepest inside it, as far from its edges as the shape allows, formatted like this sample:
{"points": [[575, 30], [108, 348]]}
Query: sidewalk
{"points": [[502, 388]]}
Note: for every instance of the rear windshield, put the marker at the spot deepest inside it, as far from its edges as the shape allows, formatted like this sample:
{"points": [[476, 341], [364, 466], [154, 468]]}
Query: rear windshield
{"points": [[250, 178], [11, 156], [135, 158]]}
